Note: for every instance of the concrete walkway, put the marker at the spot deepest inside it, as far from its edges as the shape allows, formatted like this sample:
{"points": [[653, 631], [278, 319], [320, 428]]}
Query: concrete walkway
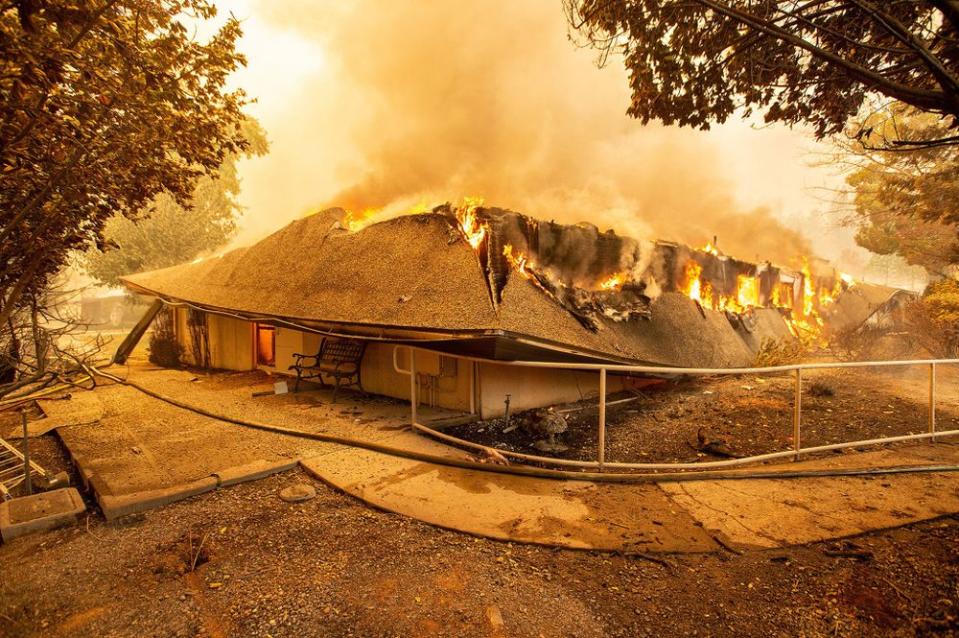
{"points": [[143, 453], [670, 517]]}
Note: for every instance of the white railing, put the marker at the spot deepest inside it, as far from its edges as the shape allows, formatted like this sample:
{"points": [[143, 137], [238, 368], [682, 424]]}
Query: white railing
{"points": [[600, 463]]}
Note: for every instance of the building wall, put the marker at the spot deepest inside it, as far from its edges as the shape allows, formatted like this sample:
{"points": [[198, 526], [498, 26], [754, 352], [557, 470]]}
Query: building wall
{"points": [[231, 341], [444, 381], [288, 342], [536, 387]]}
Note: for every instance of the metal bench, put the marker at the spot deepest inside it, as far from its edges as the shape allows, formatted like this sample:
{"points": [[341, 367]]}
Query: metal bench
{"points": [[337, 358]]}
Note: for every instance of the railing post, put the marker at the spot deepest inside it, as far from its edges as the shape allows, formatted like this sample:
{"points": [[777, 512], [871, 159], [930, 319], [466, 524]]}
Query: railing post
{"points": [[413, 398], [932, 400], [602, 418], [797, 412]]}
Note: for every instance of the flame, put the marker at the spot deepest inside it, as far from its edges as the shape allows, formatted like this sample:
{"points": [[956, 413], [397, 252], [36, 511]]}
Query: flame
{"points": [[613, 282], [710, 249], [518, 261], [782, 296], [473, 230], [357, 221], [809, 311], [693, 285], [747, 291], [353, 221]]}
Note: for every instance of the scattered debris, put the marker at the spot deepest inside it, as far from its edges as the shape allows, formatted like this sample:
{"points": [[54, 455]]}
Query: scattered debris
{"points": [[280, 387], [717, 446], [12, 468], [821, 389], [492, 456], [546, 422], [495, 618]]}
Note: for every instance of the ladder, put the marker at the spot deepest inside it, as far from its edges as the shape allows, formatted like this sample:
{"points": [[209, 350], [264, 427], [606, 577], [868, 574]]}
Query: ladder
{"points": [[11, 469]]}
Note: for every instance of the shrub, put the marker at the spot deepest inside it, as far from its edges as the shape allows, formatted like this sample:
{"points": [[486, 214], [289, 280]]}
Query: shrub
{"points": [[165, 350]]}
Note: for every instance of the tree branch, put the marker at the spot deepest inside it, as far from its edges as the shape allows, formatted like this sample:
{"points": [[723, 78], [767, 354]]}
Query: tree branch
{"points": [[923, 98]]}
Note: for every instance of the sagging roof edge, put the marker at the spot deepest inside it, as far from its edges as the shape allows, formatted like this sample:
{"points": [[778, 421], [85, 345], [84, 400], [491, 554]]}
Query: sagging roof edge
{"points": [[300, 323]]}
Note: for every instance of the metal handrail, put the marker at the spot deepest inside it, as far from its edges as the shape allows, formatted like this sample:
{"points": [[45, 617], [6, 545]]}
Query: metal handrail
{"points": [[796, 451]]}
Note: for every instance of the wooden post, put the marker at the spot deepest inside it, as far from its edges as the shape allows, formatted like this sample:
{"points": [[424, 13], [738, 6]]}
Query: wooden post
{"points": [[133, 338]]}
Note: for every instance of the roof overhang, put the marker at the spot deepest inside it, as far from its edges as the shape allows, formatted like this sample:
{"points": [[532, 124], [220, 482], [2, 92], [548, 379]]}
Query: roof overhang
{"points": [[491, 345]]}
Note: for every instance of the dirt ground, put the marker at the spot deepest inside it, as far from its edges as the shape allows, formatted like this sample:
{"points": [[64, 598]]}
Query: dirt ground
{"points": [[333, 567], [743, 416], [241, 562]]}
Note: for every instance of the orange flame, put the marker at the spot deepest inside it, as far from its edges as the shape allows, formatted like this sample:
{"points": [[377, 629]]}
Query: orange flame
{"points": [[517, 261], [747, 291], [473, 230], [613, 282], [357, 221], [353, 221], [693, 285]]}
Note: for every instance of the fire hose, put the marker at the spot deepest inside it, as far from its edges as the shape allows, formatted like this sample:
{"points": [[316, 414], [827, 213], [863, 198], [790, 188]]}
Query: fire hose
{"points": [[525, 470]]}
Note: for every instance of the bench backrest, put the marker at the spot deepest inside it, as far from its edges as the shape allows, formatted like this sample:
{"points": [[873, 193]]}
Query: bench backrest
{"points": [[342, 350]]}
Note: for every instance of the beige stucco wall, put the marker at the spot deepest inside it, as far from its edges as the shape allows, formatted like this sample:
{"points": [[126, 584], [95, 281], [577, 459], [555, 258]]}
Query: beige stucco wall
{"points": [[288, 342], [231, 341], [535, 387], [448, 376]]}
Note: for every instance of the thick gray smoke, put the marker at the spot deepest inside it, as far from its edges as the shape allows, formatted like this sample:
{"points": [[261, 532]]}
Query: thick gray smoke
{"points": [[443, 100]]}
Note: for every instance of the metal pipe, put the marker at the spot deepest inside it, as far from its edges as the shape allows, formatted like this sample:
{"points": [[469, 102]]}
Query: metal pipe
{"points": [[27, 473], [413, 398], [665, 370], [797, 414], [602, 418], [932, 399], [472, 387], [396, 365]]}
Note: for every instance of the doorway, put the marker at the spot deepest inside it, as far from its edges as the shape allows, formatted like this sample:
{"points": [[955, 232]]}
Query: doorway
{"points": [[265, 345]]}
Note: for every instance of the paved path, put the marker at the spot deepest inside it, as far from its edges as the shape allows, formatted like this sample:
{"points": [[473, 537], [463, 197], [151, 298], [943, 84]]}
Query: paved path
{"points": [[670, 517]]}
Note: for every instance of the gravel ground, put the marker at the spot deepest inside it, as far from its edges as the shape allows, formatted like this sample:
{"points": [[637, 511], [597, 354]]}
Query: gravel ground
{"points": [[744, 416], [333, 567]]}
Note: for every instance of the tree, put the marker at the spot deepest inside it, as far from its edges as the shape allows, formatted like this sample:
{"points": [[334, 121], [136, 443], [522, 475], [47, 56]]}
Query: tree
{"points": [[105, 104], [693, 62], [903, 203], [167, 233]]}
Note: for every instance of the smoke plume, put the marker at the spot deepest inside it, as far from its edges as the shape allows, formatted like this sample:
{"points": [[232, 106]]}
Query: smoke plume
{"points": [[443, 100]]}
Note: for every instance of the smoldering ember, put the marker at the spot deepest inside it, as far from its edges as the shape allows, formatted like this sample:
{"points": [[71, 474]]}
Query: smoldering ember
{"points": [[554, 318]]}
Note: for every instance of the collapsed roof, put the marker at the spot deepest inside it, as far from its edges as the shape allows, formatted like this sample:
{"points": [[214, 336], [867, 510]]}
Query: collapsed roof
{"points": [[417, 277]]}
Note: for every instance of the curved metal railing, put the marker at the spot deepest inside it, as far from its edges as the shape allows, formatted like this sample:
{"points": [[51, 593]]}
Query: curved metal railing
{"points": [[600, 463]]}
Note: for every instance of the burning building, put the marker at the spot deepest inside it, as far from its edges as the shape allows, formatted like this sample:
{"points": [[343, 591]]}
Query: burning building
{"points": [[472, 288]]}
